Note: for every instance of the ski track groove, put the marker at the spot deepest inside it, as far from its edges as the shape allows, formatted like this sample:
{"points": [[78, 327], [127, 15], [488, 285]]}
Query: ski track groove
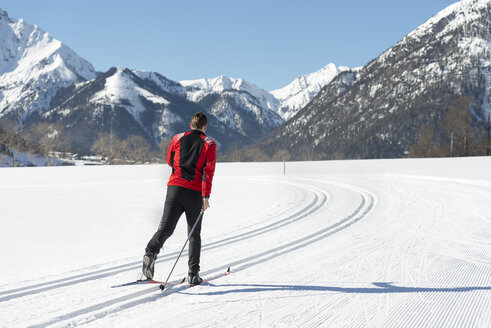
{"points": [[305, 211], [468, 309], [464, 310], [486, 304], [465, 307], [365, 206], [103, 273], [463, 304], [463, 262]]}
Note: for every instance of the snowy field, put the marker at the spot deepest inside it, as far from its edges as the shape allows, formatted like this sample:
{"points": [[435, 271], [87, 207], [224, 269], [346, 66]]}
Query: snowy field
{"points": [[379, 243]]}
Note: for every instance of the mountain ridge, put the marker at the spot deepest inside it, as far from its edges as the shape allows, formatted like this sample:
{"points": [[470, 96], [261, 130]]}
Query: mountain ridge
{"points": [[303, 89], [53, 84], [409, 85], [33, 60]]}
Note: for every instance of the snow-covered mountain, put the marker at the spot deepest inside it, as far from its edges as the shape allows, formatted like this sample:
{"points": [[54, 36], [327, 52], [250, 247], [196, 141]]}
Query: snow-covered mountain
{"points": [[197, 89], [122, 102], [377, 111], [41, 79], [33, 67], [237, 103], [303, 89], [124, 90], [161, 81]]}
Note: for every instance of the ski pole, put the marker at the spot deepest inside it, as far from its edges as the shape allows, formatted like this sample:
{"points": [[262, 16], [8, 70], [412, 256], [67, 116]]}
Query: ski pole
{"points": [[162, 287]]}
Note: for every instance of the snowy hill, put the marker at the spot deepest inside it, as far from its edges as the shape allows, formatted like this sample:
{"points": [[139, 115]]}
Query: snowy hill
{"points": [[379, 243], [380, 111], [33, 67], [303, 89]]}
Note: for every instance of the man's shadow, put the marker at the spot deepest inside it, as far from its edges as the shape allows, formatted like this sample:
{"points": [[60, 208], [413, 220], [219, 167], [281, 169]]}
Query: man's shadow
{"points": [[379, 288]]}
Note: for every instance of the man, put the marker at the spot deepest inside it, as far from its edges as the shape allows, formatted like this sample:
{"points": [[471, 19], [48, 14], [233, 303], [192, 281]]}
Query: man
{"points": [[192, 156]]}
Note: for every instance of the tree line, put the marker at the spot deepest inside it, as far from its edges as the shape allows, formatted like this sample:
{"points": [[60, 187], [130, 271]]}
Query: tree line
{"points": [[132, 150], [45, 140], [13, 142], [458, 134], [252, 154]]}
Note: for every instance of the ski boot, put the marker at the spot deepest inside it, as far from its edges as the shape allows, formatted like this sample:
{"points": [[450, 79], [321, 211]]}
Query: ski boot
{"points": [[194, 279], [149, 265]]}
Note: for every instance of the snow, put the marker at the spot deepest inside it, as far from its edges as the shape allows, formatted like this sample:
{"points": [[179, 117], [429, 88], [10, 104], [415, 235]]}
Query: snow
{"points": [[464, 13], [303, 89], [34, 61], [373, 243], [120, 87], [197, 89], [168, 122], [285, 102], [221, 83], [456, 15], [244, 101], [479, 48], [487, 90], [161, 81], [27, 159]]}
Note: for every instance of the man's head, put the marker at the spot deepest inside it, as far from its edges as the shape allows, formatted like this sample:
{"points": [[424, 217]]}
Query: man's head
{"points": [[199, 122]]}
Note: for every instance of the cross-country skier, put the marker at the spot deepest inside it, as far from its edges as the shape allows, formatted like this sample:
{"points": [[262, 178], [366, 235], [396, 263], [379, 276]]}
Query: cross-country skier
{"points": [[192, 156]]}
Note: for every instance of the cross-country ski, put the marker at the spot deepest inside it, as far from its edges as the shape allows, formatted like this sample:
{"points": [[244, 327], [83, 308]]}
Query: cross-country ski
{"points": [[146, 282]]}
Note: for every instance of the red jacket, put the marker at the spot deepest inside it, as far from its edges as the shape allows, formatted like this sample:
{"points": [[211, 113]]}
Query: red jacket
{"points": [[192, 156]]}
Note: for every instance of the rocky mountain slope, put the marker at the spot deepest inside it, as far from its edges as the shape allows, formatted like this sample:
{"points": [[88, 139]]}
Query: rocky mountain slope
{"points": [[377, 111], [369, 112], [41, 79], [121, 102], [239, 104]]}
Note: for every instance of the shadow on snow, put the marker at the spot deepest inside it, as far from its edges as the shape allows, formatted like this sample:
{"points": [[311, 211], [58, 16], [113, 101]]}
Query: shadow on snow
{"points": [[379, 288]]}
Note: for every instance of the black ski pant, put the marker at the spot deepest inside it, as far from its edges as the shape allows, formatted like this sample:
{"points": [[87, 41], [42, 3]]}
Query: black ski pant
{"points": [[180, 200]]}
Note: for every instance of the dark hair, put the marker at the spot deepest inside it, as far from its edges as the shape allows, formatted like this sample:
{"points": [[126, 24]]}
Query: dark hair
{"points": [[198, 121]]}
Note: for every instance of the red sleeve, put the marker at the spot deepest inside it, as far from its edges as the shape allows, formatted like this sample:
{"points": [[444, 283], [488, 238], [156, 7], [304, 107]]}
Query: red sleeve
{"points": [[171, 152], [209, 169]]}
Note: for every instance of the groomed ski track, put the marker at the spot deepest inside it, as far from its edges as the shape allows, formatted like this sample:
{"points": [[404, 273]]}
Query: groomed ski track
{"points": [[330, 250]]}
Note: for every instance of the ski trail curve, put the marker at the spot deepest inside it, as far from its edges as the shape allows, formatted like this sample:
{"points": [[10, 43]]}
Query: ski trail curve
{"points": [[319, 199], [103, 309]]}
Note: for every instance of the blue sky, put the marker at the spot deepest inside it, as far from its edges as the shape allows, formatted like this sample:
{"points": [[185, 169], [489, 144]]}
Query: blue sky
{"points": [[267, 42]]}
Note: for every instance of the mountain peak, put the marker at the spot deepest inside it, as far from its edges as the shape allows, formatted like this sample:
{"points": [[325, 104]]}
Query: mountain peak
{"points": [[411, 85], [222, 83], [304, 88], [218, 84], [32, 61], [228, 98], [455, 15]]}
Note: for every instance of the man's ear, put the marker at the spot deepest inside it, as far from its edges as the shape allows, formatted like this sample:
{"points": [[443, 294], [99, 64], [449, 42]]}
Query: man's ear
{"points": [[190, 126]]}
